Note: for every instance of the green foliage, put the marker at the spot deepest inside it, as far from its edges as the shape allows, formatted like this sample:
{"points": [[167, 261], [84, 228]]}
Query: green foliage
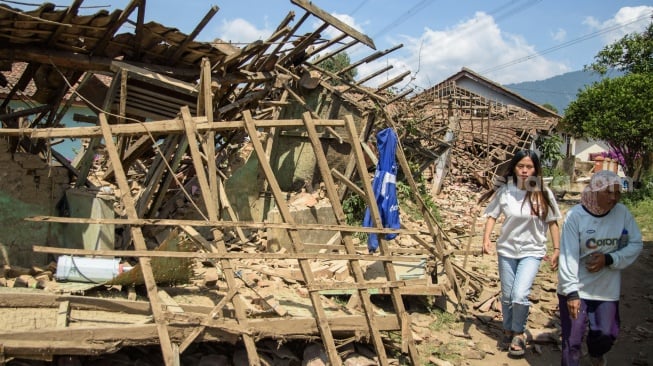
{"points": [[618, 111], [406, 201], [338, 63], [354, 207], [633, 53], [550, 107], [643, 193], [549, 146], [640, 204]]}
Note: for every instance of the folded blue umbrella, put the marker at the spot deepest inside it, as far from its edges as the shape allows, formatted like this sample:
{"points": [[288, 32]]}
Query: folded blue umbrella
{"points": [[384, 186]]}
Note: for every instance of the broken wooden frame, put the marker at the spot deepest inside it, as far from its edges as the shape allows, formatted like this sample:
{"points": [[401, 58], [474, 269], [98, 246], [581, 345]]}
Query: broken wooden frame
{"points": [[190, 126], [189, 129], [244, 79]]}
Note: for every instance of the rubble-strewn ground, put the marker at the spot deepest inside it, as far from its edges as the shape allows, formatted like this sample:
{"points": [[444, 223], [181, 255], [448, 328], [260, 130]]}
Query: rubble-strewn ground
{"points": [[473, 339], [443, 338]]}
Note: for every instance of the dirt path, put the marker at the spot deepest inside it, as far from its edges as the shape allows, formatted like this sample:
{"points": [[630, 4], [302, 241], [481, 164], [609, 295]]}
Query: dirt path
{"points": [[635, 343]]}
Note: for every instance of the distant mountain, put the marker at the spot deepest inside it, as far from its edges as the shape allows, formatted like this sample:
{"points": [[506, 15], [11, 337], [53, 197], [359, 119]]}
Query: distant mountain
{"points": [[559, 90]]}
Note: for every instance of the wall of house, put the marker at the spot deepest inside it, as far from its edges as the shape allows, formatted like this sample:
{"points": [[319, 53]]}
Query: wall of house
{"points": [[28, 187], [582, 148], [480, 89]]}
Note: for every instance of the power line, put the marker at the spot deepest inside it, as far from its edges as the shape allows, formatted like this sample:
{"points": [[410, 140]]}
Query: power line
{"points": [[562, 45], [403, 17], [358, 7]]}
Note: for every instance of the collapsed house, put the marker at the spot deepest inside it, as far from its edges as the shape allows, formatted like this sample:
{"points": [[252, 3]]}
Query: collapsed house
{"points": [[236, 158], [471, 126]]}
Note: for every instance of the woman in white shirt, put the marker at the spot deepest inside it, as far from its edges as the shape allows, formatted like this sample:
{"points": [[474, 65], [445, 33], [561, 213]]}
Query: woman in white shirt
{"points": [[599, 238], [530, 210]]}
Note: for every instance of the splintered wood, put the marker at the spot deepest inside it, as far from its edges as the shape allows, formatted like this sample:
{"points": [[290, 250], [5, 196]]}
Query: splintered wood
{"points": [[231, 172]]}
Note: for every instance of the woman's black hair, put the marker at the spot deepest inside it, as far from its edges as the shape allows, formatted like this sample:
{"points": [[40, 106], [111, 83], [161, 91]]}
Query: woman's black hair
{"points": [[535, 190]]}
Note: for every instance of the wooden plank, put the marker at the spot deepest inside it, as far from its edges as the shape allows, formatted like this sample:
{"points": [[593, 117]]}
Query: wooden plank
{"points": [[211, 209], [167, 126], [135, 150], [247, 224], [216, 330], [161, 194], [430, 290], [169, 303], [155, 172], [63, 314], [335, 22], [320, 314], [229, 255], [139, 241], [205, 108], [407, 342], [224, 199], [154, 78], [198, 28], [46, 300], [359, 276], [212, 315]]}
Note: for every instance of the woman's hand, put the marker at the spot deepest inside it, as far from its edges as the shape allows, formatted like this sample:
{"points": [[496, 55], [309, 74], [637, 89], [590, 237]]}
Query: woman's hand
{"points": [[487, 233], [487, 246], [574, 308], [595, 262], [553, 259]]}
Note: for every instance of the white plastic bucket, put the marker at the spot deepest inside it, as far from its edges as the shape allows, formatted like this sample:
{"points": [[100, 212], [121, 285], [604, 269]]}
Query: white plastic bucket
{"points": [[83, 269]]}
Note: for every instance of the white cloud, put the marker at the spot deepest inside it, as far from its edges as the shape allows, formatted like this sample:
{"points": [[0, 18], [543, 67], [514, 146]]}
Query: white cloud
{"points": [[241, 31], [478, 44], [560, 35], [628, 20], [347, 19]]}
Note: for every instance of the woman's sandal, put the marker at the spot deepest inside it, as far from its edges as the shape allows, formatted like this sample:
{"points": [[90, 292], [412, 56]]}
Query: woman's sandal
{"points": [[505, 341], [518, 345]]}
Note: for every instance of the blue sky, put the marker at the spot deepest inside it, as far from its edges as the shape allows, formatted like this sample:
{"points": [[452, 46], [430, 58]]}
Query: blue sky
{"points": [[505, 40]]}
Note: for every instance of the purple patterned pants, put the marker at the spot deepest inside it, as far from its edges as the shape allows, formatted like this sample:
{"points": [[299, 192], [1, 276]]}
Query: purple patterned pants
{"points": [[603, 320]]}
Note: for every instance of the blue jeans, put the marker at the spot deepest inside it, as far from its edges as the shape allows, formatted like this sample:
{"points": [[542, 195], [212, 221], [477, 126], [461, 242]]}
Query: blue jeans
{"points": [[517, 276], [602, 318]]}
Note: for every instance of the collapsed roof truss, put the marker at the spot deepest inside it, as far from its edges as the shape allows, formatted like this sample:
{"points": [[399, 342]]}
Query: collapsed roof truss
{"points": [[153, 95]]}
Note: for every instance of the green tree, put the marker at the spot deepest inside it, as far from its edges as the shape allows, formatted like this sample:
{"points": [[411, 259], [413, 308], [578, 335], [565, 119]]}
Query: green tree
{"points": [[549, 146], [337, 64], [633, 53], [618, 111]]}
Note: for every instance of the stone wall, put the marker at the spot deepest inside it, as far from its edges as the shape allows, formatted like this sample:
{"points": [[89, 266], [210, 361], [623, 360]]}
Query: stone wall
{"points": [[28, 187]]}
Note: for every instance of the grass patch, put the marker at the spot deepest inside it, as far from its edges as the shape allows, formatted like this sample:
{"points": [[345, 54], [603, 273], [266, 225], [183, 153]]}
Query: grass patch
{"points": [[448, 352], [642, 211], [443, 320], [640, 204]]}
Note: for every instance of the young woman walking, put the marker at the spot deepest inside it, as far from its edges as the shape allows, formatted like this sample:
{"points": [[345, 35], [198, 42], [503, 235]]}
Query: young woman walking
{"points": [[530, 210]]}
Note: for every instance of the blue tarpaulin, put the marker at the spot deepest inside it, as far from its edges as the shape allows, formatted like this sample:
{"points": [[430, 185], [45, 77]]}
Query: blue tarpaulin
{"points": [[384, 186]]}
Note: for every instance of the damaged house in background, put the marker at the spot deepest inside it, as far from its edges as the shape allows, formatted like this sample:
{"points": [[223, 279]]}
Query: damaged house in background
{"points": [[202, 157]]}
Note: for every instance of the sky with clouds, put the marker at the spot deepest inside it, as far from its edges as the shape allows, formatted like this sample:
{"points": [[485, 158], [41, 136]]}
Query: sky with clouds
{"points": [[507, 41]]}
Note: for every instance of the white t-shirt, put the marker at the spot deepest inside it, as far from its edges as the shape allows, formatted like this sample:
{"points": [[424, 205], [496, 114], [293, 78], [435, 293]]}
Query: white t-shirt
{"points": [[522, 234], [584, 234]]}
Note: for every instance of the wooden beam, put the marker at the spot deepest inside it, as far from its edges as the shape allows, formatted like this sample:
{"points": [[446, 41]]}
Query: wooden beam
{"points": [[320, 314], [229, 255], [407, 343], [139, 242], [210, 223], [211, 208], [182, 47], [167, 126], [359, 276], [335, 22]]}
